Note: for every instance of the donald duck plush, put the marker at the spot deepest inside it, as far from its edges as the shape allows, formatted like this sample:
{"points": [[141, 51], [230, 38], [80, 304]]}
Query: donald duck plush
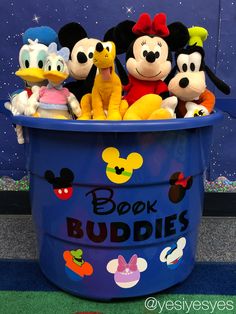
{"points": [[32, 58], [54, 100]]}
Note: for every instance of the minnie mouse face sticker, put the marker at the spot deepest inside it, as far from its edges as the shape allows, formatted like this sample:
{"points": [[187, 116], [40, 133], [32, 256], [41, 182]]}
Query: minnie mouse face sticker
{"points": [[179, 184], [76, 267], [127, 275], [62, 186], [172, 255]]}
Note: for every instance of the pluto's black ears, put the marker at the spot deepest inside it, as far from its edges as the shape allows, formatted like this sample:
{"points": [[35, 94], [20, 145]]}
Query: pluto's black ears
{"points": [[222, 86], [121, 35], [89, 82], [178, 37], [70, 34], [122, 73]]}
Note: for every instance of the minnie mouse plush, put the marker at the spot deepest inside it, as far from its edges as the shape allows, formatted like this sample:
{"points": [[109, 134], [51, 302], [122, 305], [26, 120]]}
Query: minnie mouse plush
{"points": [[148, 45]]}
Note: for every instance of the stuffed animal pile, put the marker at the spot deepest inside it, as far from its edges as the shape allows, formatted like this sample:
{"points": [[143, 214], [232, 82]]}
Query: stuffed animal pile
{"points": [[101, 89]]}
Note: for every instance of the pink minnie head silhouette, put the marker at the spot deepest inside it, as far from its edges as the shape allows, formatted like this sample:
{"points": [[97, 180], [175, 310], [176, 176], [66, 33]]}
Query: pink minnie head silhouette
{"points": [[127, 275]]}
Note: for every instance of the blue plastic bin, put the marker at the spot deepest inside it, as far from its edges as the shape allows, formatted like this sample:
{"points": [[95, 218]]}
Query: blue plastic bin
{"points": [[117, 205]]}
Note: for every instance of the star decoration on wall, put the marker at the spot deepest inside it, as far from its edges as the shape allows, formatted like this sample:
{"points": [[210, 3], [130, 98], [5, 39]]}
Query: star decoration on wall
{"points": [[36, 18], [129, 10]]}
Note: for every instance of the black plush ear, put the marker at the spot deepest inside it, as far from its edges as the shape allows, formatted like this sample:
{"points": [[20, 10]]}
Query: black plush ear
{"points": [[121, 72], [109, 35], [121, 35], [49, 176], [67, 174], [89, 81], [178, 37], [70, 34], [222, 86]]}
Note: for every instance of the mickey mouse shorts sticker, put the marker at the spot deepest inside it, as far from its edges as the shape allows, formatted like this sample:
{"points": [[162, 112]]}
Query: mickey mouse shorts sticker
{"points": [[76, 267], [62, 186], [127, 275], [120, 170], [172, 255]]}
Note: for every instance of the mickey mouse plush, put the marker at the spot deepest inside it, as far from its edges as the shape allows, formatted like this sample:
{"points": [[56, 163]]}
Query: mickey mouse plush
{"points": [[80, 64], [148, 45], [189, 84]]}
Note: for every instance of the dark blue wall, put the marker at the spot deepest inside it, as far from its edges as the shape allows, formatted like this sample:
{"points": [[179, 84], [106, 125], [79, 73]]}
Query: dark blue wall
{"points": [[218, 16]]}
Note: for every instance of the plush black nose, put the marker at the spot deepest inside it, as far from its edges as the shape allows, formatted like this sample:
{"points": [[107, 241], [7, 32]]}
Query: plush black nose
{"points": [[150, 57], [184, 82], [99, 47], [81, 57], [119, 170]]}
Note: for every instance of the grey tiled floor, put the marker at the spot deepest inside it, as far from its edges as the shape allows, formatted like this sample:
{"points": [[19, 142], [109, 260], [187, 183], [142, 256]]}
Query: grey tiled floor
{"points": [[217, 239]]}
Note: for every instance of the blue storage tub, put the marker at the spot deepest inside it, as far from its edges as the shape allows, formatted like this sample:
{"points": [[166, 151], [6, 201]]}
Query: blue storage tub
{"points": [[117, 205]]}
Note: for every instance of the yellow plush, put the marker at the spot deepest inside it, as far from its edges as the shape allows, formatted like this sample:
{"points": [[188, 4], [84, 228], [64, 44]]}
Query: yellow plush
{"points": [[107, 89], [147, 107]]}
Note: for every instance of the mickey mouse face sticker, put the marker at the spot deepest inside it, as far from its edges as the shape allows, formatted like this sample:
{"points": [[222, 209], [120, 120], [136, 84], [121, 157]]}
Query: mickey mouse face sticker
{"points": [[120, 170], [127, 275], [62, 186], [172, 255], [179, 184]]}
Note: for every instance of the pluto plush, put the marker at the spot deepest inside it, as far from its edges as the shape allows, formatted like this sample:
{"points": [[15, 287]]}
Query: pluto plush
{"points": [[54, 100], [107, 89], [148, 45], [189, 83]]}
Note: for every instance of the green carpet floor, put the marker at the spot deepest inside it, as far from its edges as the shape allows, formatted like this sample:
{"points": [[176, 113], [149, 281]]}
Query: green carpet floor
{"points": [[19, 302]]}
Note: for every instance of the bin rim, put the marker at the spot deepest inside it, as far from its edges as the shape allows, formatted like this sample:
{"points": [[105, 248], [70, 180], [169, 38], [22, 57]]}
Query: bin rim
{"points": [[118, 126]]}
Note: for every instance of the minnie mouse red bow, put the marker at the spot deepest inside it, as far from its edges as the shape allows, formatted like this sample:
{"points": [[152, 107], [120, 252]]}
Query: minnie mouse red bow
{"points": [[182, 180], [145, 25]]}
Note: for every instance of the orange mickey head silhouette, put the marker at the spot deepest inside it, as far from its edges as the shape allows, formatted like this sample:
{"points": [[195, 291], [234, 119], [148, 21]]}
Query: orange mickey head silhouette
{"points": [[119, 170]]}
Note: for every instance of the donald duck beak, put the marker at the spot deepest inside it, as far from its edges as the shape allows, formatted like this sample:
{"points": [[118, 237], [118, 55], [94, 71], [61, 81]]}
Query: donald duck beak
{"points": [[55, 77], [34, 75]]}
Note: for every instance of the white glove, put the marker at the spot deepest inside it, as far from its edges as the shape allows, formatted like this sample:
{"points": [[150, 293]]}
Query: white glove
{"points": [[170, 104], [19, 102], [195, 110], [18, 128], [74, 104], [32, 104]]}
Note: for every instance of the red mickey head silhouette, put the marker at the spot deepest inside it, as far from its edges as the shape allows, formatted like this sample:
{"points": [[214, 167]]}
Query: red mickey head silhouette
{"points": [[62, 186]]}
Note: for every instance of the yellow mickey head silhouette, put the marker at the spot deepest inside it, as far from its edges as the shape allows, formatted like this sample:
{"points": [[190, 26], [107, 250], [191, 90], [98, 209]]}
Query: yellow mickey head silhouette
{"points": [[119, 170]]}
